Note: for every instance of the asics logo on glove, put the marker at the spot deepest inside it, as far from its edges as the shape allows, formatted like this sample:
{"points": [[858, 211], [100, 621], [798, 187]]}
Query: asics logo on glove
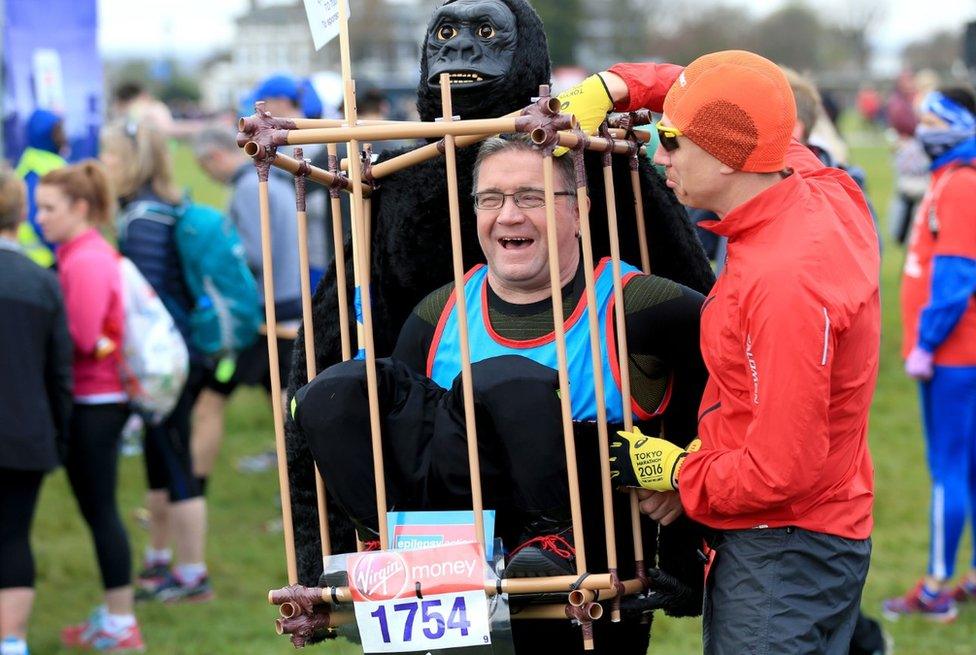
{"points": [[589, 101]]}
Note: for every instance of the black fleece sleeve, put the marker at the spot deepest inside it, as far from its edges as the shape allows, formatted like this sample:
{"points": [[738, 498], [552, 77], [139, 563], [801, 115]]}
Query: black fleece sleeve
{"points": [[667, 330], [413, 344], [417, 333], [663, 327]]}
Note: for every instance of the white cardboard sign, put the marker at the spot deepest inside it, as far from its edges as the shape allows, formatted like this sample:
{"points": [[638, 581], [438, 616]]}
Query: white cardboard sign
{"points": [[323, 18]]}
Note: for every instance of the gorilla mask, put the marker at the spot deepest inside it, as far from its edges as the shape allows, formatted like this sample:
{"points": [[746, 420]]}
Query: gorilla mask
{"points": [[473, 41], [495, 52]]}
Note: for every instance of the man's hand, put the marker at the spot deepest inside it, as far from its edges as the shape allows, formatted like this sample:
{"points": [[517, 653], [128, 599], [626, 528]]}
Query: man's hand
{"points": [[662, 506], [918, 365], [641, 461]]}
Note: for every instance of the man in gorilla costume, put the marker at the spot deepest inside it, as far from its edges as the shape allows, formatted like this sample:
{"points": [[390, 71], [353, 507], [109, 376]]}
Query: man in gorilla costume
{"points": [[503, 44]]}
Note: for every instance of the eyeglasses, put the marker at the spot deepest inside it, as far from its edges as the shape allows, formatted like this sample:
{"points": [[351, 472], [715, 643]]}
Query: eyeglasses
{"points": [[526, 199], [668, 136]]}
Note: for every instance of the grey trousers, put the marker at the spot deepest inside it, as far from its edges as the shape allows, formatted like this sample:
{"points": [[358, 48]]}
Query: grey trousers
{"points": [[783, 590]]}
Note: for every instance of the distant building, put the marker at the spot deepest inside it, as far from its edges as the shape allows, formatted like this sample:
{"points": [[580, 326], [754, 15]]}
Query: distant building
{"points": [[275, 38]]}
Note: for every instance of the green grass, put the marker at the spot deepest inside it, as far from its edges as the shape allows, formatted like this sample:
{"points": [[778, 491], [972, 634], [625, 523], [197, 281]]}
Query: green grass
{"points": [[247, 559]]}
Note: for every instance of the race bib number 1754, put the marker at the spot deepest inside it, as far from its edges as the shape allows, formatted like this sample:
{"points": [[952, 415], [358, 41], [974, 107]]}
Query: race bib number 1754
{"points": [[433, 622], [420, 600]]}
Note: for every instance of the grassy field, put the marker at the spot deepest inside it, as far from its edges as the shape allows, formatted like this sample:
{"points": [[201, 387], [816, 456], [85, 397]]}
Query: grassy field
{"points": [[245, 550]]}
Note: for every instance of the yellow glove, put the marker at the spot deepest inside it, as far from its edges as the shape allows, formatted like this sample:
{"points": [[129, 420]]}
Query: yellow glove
{"points": [[641, 461], [589, 101]]}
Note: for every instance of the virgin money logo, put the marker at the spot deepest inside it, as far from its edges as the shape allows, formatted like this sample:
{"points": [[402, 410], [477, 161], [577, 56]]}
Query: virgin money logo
{"points": [[380, 575]]}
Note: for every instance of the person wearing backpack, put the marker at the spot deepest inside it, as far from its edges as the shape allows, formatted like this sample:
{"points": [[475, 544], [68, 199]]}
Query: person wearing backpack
{"points": [[72, 202], [939, 343], [218, 154], [139, 162]]}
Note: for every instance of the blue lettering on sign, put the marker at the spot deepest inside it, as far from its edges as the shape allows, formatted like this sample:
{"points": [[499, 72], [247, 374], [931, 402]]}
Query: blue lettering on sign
{"points": [[432, 621], [414, 542]]}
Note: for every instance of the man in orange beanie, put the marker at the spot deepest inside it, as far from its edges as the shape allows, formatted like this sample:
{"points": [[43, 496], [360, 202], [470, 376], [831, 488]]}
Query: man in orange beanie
{"points": [[790, 335]]}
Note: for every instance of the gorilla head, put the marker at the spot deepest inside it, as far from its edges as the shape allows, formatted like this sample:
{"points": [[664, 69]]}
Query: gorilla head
{"points": [[495, 52]]}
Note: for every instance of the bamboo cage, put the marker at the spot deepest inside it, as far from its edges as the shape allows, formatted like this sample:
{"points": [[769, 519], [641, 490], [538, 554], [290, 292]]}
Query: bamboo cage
{"points": [[310, 612], [307, 611]]}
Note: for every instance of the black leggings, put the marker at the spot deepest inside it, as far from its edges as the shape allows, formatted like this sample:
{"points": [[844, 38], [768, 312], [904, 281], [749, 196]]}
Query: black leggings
{"points": [[18, 499], [93, 465], [168, 459]]}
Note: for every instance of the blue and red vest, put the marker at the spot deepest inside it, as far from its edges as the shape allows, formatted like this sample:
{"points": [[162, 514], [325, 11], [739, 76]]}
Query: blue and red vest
{"points": [[444, 356]]}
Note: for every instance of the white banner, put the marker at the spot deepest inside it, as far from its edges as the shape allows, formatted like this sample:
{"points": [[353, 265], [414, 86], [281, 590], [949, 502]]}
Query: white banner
{"points": [[323, 19]]}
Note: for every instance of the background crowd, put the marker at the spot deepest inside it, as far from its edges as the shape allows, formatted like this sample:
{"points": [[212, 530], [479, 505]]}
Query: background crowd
{"points": [[67, 363]]}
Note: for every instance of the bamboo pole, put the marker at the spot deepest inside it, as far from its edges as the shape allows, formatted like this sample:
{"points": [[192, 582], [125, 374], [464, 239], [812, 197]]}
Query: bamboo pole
{"points": [[305, 283], [601, 144], [339, 259], [561, 358], [580, 597], [432, 150], [639, 135], [639, 213], [622, 353], [367, 159], [555, 612], [482, 127], [474, 464], [422, 154], [276, 400], [319, 123], [596, 356], [355, 174], [316, 174], [514, 586]]}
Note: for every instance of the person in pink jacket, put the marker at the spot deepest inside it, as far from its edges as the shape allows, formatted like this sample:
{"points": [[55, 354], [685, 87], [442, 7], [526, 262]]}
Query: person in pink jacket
{"points": [[73, 202]]}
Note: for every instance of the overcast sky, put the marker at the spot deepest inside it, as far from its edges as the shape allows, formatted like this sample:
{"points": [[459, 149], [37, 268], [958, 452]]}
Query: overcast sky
{"points": [[194, 27]]}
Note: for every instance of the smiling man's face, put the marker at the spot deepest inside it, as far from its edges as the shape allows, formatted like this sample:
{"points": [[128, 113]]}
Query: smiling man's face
{"points": [[514, 239]]}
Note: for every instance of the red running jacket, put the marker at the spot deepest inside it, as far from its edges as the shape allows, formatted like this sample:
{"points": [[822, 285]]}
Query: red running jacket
{"points": [[952, 191], [790, 335]]}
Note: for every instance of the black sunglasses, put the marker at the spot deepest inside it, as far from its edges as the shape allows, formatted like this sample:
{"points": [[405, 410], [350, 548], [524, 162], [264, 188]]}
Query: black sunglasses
{"points": [[668, 136]]}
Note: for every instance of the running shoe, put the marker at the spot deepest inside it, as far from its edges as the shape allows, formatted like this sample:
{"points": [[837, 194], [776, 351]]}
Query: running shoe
{"points": [[941, 608], [128, 640], [14, 646], [172, 590], [79, 635], [965, 592], [153, 575], [543, 556]]}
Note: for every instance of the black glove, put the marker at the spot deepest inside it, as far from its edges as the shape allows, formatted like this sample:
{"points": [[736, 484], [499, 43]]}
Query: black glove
{"points": [[666, 592]]}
